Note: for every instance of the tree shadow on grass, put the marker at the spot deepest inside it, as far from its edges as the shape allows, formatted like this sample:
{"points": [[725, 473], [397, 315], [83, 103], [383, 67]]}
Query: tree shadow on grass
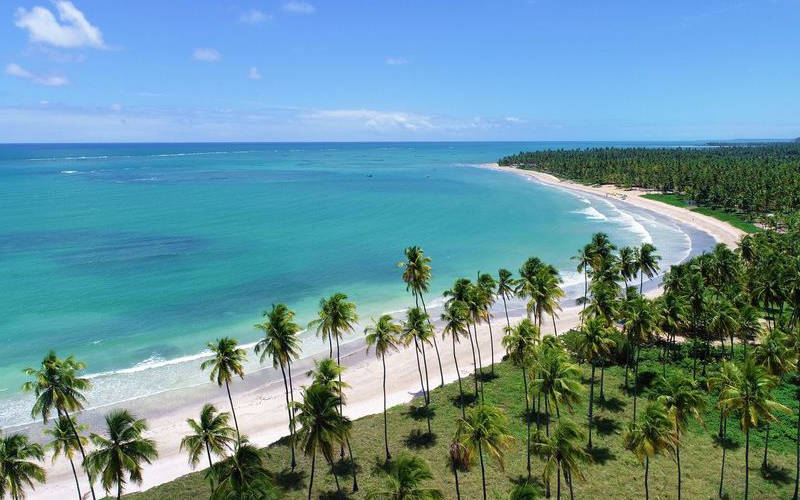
{"points": [[417, 439], [533, 415], [487, 375], [776, 474], [606, 426], [344, 467], [334, 495], [613, 404], [462, 401], [522, 480], [290, 480], [726, 442], [601, 455], [419, 413]]}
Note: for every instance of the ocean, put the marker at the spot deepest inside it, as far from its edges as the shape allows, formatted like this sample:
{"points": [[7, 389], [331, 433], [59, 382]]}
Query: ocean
{"points": [[133, 256]]}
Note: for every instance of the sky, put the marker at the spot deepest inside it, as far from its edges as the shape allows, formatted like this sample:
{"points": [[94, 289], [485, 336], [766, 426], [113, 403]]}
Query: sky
{"points": [[380, 70]]}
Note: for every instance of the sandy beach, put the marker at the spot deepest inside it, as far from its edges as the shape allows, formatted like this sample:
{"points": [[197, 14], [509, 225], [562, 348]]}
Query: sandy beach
{"points": [[259, 398]]}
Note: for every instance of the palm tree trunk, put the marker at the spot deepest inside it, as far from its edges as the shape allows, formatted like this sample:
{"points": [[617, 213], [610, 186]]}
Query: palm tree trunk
{"points": [[352, 464], [428, 399], [591, 404], [233, 412], [746, 463], [569, 483], [119, 488], [435, 344], [641, 282], [491, 340], [483, 470], [474, 361], [289, 411], [385, 420], [75, 473], [585, 293], [722, 469], [527, 419], [646, 473], [291, 394], [678, 459], [83, 452], [330, 347], [636, 380], [558, 481], [419, 370], [555, 330], [458, 375], [311, 478], [505, 308], [797, 460], [766, 448], [602, 377], [480, 362], [458, 491], [335, 477], [210, 467], [547, 414]]}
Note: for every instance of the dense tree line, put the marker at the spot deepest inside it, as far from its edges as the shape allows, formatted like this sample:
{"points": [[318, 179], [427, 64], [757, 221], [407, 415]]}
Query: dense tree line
{"points": [[756, 180]]}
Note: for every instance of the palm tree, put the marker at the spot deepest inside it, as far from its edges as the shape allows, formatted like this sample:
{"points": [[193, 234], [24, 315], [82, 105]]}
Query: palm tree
{"points": [[322, 427], [281, 344], [63, 442], [673, 313], [228, 360], [725, 375], [640, 324], [418, 329], [459, 458], [652, 434], [403, 480], [211, 434], [456, 324], [417, 276], [601, 245], [594, 342], [18, 470], [486, 285], [646, 262], [384, 336], [58, 386], [462, 293], [562, 454], [749, 324], [557, 379], [525, 491], [520, 343], [794, 344], [750, 392], [242, 476], [683, 400], [505, 289], [485, 428], [121, 451], [628, 265], [724, 320], [584, 258]]}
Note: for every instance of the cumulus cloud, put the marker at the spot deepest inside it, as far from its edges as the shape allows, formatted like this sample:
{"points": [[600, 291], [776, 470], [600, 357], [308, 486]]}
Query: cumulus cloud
{"points": [[254, 16], [253, 73], [296, 7], [375, 120], [14, 69], [396, 61], [70, 30], [206, 55]]}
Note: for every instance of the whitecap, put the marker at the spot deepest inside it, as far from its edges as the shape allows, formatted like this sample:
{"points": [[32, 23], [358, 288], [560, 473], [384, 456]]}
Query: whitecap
{"points": [[591, 213]]}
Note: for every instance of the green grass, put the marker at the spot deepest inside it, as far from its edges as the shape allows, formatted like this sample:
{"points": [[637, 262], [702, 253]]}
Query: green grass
{"points": [[731, 218], [614, 474]]}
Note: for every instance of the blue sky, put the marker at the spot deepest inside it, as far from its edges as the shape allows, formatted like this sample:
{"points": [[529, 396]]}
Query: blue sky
{"points": [[203, 70]]}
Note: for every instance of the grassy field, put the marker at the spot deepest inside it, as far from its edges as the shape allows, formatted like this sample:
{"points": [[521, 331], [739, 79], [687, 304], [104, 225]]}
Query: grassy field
{"points": [[731, 218], [615, 472]]}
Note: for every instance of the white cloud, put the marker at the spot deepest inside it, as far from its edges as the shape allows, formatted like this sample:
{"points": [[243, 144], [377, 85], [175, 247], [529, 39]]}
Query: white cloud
{"points": [[253, 73], [254, 16], [296, 7], [396, 61], [514, 119], [206, 55], [375, 120], [14, 69], [73, 30]]}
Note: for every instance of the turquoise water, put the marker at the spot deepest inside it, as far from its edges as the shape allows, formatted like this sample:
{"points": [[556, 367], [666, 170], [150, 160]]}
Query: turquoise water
{"points": [[131, 257]]}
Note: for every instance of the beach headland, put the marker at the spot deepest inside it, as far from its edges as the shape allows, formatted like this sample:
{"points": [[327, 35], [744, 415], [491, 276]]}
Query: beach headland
{"points": [[259, 397]]}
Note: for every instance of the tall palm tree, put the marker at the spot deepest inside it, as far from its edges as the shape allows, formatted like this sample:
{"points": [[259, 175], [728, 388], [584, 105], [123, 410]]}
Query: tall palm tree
{"points": [[485, 428], [652, 434], [601, 245], [520, 343], [724, 320], [683, 400], [594, 343], [505, 289], [211, 434], [459, 459], [749, 324], [384, 335], [121, 451], [562, 454], [418, 329], [57, 385], [673, 312], [640, 324], [528, 286], [417, 276], [750, 393], [456, 324], [584, 259], [322, 427], [18, 471], [551, 294], [462, 293], [243, 476], [794, 344], [558, 380], [646, 262], [403, 479], [281, 345], [725, 375], [228, 360], [63, 442], [628, 265], [486, 285]]}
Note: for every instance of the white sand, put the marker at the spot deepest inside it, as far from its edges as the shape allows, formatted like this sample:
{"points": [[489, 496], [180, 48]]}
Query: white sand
{"points": [[262, 413]]}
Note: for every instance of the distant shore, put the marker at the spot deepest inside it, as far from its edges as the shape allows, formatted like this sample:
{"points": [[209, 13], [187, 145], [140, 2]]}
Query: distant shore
{"points": [[259, 398]]}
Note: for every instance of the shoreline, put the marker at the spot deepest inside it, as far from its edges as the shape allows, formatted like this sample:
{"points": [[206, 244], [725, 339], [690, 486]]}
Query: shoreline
{"points": [[259, 397]]}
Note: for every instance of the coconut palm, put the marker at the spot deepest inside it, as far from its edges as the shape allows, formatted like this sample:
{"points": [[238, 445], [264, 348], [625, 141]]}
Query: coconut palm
{"points": [[417, 329], [211, 434], [628, 265], [673, 312], [505, 289], [404, 478], [652, 434], [18, 468], [601, 246], [646, 262], [384, 336], [594, 342], [63, 442], [749, 324], [417, 276], [456, 324], [485, 428], [562, 454], [322, 427], [243, 476], [640, 324], [683, 400], [57, 385], [487, 284], [794, 344], [459, 459], [528, 286], [725, 375], [750, 393], [558, 380], [228, 360], [584, 259], [723, 320], [121, 451], [462, 293], [281, 345], [520, 344]]}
